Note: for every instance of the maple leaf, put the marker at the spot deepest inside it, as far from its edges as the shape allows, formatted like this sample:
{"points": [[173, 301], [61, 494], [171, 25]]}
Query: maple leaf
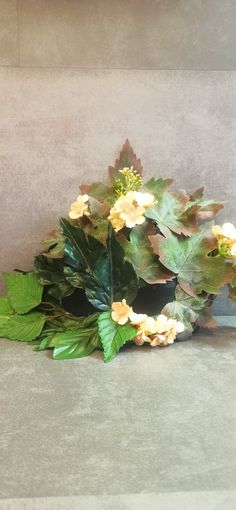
{"points": [[127, 159], [139, 252], [173, 211], [207, 209], [158, 186], [192, 261]]}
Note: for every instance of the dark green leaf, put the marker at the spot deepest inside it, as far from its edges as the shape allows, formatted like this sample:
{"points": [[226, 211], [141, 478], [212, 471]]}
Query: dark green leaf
{"points": [[51, 273], [81, 250], [113, 336], [113, 278], [24, 291]]}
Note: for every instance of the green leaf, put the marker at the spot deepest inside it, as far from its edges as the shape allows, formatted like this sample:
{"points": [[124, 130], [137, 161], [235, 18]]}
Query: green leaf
{"points": [[84, 346], [139, 252], [186, 309], [173, 211], [74, 278], [5, 306], [99, 191], [51, 273], [23, 327], [158, 186], [113, 336], [207, 209], [54, 245], [24, 291], [81, 250], [113, 278], [191, 259], [127, 159], [5, 310]]}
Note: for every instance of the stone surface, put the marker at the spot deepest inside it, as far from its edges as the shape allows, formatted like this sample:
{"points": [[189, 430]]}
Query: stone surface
{"points": [[9, 43], [159, 34], [209, 500], [63, 127], [152, 422]]}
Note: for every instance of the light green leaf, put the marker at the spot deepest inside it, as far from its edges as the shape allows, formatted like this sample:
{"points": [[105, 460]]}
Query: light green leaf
{"points": [[84, 346], [24, 291], [23, 327], [158, 186], [186, 309], [174, 211], [113, 336]]}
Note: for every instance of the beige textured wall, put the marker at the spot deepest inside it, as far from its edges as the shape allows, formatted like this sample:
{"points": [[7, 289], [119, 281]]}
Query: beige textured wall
{"points": [[78, 77]]}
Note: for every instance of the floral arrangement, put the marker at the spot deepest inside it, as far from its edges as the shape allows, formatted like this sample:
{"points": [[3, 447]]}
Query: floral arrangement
{"points": [[136, 262]]}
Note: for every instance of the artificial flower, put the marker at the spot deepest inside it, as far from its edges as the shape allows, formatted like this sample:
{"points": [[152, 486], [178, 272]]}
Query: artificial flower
{"points": [[226, 237], [79, 208], [160, 331], [227, 231], [144, 199], [129, 209], [120, 312]]}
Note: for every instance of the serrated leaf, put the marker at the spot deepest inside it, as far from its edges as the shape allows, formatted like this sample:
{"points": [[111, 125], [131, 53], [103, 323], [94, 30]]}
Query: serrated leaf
{"points": [[139, 252], [207, 209], [113, 336], [191, 259], [158, 186], [127, 159], [99, 191], [173, 211], [5, 306], [186, 309], [24, 291], [23, 327]]}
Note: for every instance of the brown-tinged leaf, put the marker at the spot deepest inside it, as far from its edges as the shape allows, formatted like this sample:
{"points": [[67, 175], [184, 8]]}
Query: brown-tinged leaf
{"points": [[127, 159], [173, 210], [192, 261], [139, 252]]}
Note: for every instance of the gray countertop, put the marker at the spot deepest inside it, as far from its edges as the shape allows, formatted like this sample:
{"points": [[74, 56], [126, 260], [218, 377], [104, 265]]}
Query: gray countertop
{"points": [[154, 428]]}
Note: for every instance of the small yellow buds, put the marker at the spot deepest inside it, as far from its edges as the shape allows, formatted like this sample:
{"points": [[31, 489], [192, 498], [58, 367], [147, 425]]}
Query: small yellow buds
{"points": [[129, 180], [226, 237], [79, 208], [129, 209]]}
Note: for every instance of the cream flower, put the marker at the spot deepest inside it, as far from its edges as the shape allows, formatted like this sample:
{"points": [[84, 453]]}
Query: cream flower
{"points": [[133, 216], [144, 199], [129, 209], [120, 312], [226, 237], [116, 220], [160, 331], [79, 208], [227, 231], [137, 318]]}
